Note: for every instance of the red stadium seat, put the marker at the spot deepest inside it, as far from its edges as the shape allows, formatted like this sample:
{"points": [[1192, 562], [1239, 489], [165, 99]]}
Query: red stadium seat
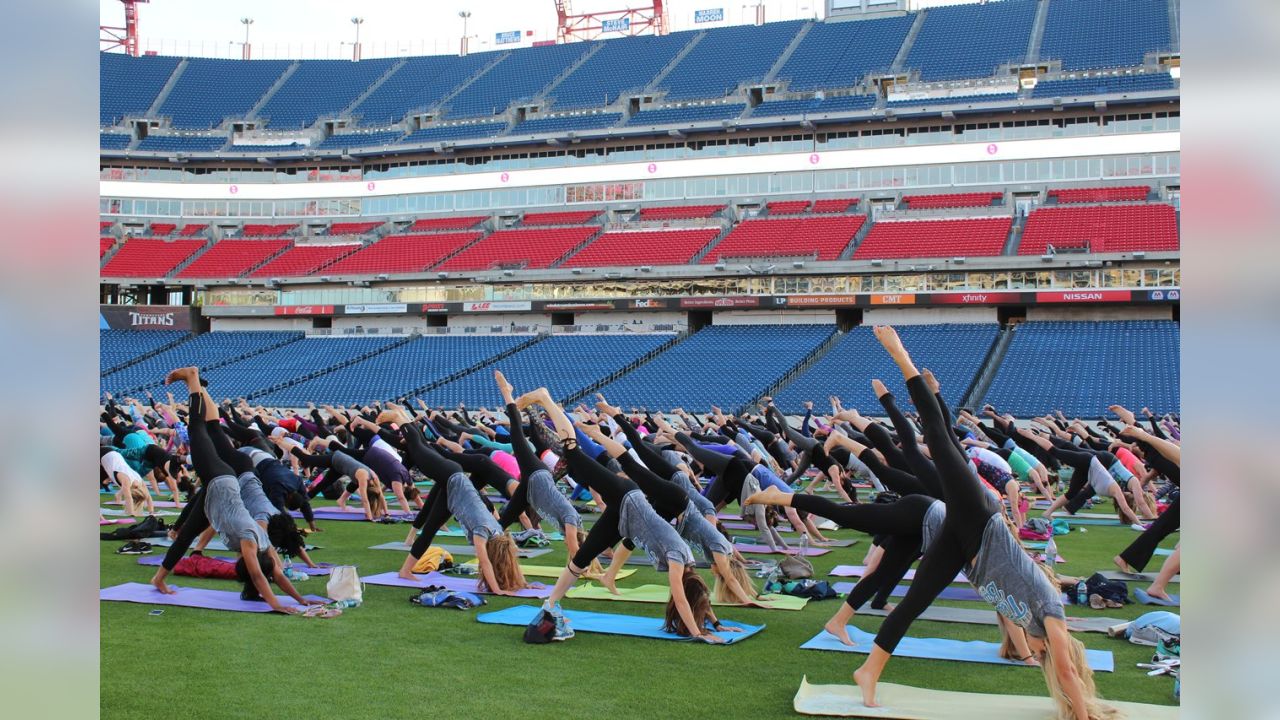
{"points": [[788, 237], [526, 247], [834, 205], [680, 212], [353, 228], [643, 247], [950, 200], [401, 254], [1129, 193], [934, 238], [162, 229], [189, 230], [232, 258], [787, 207], [150, 257], [104, 224], [304, 260], [570, 217], [104, 246], [1104, 228], [445, 223], [259, 230]]}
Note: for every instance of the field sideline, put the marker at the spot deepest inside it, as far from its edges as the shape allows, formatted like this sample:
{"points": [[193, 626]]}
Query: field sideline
{"points": [[391, 659]]}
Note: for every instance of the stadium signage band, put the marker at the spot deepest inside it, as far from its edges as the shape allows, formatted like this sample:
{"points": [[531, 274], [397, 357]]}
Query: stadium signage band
{"points": [[568, 306], [974, 298], [645, 304], [304, 310], [498, 306], [1084, 296], [892, 299], [146, 317], [435, 307], [377, 309], [709, 15], [722, 302], [506, 38], [815, 300]]}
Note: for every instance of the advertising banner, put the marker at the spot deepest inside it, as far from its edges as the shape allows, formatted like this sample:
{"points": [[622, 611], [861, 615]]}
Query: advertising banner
{"points": [[304, 310], [145, 317], [376, 309], [1084, 296], [498, 306]]}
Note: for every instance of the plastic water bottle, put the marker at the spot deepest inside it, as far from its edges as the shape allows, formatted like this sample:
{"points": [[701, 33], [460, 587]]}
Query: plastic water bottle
{"points": [[804, 544], [295, 575], [1050, 552], [1082, 593], [347, 603]]}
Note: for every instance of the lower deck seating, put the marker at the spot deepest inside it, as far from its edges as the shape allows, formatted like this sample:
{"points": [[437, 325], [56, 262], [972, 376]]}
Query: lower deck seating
{"points": [[150, 257], [203, 351], [823, 238], [1102, 229], [1083, 367], [643, 247], [117, 347], [934, 238], [525, 247]]}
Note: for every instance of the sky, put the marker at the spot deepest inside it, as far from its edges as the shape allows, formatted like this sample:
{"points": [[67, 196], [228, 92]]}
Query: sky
{"points": [[323, 28]]}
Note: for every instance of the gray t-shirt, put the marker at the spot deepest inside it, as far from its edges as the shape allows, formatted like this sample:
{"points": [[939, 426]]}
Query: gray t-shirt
{"points": [[1006, 576], [256, 455], [933, 518], [638, 520], [700, 533], [254, 499], [546, 498], [227, 514], [466, 506], [347, 465], [700, 502]]}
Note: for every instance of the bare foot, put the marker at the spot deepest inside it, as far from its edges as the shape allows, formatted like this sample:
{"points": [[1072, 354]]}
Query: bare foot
{"points": [[1124, 566], [768, 496], [931, 381], [158, 582], [610, 582], [840, 632], [867, 685], [182, 374], [879, 389], [407, 575], [1158, 593], [888, 337]]}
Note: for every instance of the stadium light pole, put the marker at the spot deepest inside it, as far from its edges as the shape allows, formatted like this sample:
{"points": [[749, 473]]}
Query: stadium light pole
{"points": [[465, 15], [244, 53], [355, 51]]}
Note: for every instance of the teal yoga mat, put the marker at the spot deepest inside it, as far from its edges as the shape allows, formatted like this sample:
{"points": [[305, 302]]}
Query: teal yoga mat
{"points": [[610, 624]]}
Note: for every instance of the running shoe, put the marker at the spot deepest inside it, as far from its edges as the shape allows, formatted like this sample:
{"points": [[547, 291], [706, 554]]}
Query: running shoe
{"points": [[563, 631], [134, 547]]}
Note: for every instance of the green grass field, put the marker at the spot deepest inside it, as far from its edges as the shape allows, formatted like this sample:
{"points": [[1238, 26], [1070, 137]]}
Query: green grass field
{"points": [[389, 658]]}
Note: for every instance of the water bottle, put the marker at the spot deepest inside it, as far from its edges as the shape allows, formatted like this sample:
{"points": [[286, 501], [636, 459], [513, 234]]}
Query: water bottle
{"points": [[295, 575], [347, 603], [804, 544], [1050, 552], [1082, 593]]}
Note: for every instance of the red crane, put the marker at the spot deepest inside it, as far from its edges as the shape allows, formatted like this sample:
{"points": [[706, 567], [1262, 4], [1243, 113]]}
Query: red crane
{"points": [[125, 37], [589, 26]]}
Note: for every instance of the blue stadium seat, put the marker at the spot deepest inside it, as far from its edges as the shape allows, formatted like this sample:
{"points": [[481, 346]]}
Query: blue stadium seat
{"points": [[1103, 85], [954, 352], [955, 100], [725, 365], [455, 132], [971, 41], [517, 78], [202, 351], [180, 143], [210, 90], [128, 85], [111, 141], [622, 66], [687, 114], [1089, 34], [320, 88], [841, 54], [1082, 367], [116, 347], [728, 57], [420, 84], [814, 106], [368, 139], [564, 364], [567, 123]]}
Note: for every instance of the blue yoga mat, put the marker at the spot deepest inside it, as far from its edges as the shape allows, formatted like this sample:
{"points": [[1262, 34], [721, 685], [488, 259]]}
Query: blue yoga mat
{"points": [[609, 623], [1146, 599], [976, 651]]}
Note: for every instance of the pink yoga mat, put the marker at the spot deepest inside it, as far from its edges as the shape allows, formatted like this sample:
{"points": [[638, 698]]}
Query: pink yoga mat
{"points": [[766, 550], [450, 582], [120, 521], [324, 569], [157, 503], [192, 597]]}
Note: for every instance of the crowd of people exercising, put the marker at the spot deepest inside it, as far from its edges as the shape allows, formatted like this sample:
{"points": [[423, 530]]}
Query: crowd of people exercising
{"points": [[949, 491]]}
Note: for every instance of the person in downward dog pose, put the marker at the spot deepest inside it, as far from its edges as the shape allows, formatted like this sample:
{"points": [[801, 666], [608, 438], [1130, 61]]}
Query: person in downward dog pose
{"points": [[975, 538]]}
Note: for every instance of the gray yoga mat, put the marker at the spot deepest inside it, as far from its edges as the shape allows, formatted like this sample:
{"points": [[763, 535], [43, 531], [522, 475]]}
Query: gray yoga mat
{"points": [[940, 613], [460, 549], [642, 559], [756, 540], [1135, 577]]}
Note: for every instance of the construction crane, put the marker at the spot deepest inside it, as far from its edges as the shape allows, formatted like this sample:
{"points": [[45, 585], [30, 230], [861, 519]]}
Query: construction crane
{"points": [[125, 37], [589, 26]]}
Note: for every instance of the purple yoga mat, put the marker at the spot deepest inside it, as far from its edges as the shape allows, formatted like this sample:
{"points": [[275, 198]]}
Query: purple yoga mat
{"points": [[391, 579], [766, 550], [324, 569], [861, 570], [948, 593], [192, 597], [157, 503], [349, 514], [731, 525], [120, 521]]}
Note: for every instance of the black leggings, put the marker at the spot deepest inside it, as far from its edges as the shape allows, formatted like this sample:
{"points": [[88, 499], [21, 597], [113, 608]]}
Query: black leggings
{"points": [[208, 465], [612, 489], [896, 480], [730, 470], [882, 439], [925, 472], [649, 455], [1139, 552], [969, 509], [250, 436], [529, 464], [1079, 491], [777, 449], [435, 509]]}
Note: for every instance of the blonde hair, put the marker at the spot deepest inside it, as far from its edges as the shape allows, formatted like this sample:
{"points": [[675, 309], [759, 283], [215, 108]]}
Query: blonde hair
{"points": [[1096, 709], [138, 491], [595, 569], [506, 563], [739, 573], [376, 502]]}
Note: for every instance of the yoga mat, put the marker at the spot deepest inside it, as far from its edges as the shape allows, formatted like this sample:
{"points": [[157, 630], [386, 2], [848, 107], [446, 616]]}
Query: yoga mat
{"points": [[766, 550], [192, 597], [642, 559], [119, 521], [837, 543], [610, 624], [548, 571], [119, 512], [156, 503], [1136, 577], [1087, 519], [903, 702], [861, 571], [975, 651], [942, 613], [965, 592], [450, 582], [214, 544], [349, 514], [1146, 599], [1166, 552], [460, 549], [741, 525], [662, 593], [324, 569]]}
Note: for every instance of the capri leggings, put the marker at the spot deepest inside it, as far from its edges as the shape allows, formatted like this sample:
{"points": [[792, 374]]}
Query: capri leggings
{"points": [[969, 508], [1079, 491], [208, 465], [882, 439]]}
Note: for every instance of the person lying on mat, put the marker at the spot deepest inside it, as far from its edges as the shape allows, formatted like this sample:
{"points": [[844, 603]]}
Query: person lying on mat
{"points": [[627, 514], [453, 493], [219, 505], [975, 538]]}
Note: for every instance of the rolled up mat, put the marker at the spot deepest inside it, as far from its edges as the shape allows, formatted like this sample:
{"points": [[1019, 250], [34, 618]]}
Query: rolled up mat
{"points": [[942, 613], [975, 651], [323, 569], [549, 571], [449, 582], [610, 624], [965, 592], [192, 597], [662, 593], [1147, 599], [903, 702], [460, 549], [861, 571], [1136, 577], [766, 550]]}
